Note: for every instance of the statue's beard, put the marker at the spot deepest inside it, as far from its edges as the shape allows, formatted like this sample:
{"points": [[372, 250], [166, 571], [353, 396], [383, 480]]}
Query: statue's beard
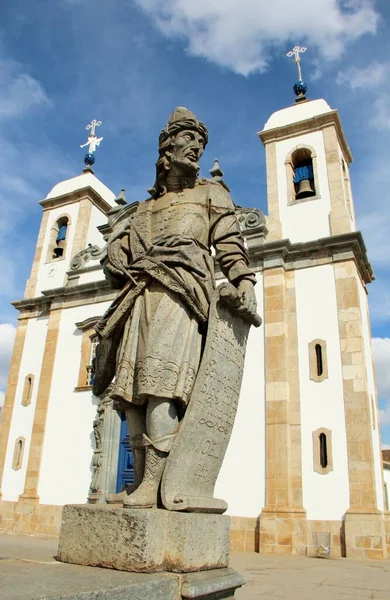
{"points": [[184, 166]]}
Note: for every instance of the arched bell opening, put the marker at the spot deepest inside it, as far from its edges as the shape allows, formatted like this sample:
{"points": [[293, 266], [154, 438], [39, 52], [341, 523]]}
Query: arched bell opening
{"points": [[303, 174], [60, 241]]}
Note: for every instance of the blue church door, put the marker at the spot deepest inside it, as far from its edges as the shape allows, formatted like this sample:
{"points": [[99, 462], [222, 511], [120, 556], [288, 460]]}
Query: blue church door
{"points": [[125, 473]]}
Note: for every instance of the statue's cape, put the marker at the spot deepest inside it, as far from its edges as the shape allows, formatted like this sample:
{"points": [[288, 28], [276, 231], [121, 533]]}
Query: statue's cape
{"points": [[199, 447]]}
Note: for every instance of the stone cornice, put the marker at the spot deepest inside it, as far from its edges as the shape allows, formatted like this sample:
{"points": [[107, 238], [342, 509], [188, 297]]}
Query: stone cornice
{"points": [[279, 253], [65, 297], [84, 192], [308, 254], [307, 126]]}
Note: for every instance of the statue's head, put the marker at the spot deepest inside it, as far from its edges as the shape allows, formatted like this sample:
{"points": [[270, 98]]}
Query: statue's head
{"points": [[181, 144]]}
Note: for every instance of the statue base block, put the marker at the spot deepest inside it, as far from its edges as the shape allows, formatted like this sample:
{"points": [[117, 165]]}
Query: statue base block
{"points": [[143, 540]]}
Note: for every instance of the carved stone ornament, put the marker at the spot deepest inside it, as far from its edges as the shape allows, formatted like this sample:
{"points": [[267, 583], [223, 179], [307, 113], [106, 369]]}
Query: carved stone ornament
{"points": [[251, 218], [92, 252]]}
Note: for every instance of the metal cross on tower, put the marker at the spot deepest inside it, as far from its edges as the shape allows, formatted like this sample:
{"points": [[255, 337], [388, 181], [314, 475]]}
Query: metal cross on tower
{"points": [[296, 51], [93, 142]]}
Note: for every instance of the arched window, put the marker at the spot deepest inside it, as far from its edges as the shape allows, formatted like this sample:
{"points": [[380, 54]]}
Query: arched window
{"points": [[322, 451], [59, 235], [27, 390], [62, 230], [89, 342], [320, 368], [318, 360], [304, 184], [18, 453]]}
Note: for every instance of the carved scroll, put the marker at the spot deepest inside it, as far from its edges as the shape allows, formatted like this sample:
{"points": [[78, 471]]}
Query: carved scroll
{"points": [[199, 448]]}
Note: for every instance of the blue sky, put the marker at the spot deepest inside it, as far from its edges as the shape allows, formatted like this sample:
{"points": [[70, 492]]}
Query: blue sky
{"points": [[130, 62]]}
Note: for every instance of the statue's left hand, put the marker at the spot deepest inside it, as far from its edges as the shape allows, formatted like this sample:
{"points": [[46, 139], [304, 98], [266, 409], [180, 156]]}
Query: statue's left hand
{"points": [[247, 294]]}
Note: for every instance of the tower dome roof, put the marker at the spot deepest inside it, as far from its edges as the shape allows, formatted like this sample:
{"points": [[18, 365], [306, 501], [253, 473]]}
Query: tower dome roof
{"points": [[80, 182], [297, 112]]}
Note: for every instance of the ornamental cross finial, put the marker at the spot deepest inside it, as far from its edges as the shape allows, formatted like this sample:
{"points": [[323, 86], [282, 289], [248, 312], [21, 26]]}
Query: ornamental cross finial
{"points": [[295, 52], [93, 142]]}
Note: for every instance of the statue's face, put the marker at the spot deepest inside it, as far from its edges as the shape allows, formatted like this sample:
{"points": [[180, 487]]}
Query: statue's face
{"points": [[187, 149]]}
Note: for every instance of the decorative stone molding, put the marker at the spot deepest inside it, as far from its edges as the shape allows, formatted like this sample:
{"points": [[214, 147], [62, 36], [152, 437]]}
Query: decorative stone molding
{"points": [[92, 252], [316, 123], [329, 250], [76, 196], [317, 466], [17, 459], [27, 389], [318, 360], [253, 225]]}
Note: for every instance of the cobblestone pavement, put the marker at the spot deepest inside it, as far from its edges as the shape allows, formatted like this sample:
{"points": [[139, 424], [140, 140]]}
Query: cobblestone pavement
{"points": [[269, 577]]}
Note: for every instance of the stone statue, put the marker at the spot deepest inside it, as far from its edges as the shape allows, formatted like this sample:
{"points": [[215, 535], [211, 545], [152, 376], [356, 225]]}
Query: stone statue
{"points": [[152, 337]]}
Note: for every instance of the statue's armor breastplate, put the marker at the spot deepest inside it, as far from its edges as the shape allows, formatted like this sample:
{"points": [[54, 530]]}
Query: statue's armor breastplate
{"points": [[183, 214]]}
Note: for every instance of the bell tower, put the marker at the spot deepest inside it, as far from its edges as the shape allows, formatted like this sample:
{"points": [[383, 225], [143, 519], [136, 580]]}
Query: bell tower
{"points": [[307, 158], [323, 451]]}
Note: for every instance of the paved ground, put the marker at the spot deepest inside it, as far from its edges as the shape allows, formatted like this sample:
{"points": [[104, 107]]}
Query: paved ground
{"points": [[24, 559]]}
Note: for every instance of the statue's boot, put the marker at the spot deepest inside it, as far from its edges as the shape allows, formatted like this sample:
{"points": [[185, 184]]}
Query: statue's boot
{"points": [[156, 455], [139, 467]]}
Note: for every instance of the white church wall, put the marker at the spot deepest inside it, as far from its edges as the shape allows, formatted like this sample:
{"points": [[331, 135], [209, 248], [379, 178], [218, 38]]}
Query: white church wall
{"points": [[52, 274], [69, 442], [23, 416], [241, 481], [93, 235], [95, 275], [308, 220], [368, 357], [325, 496]]}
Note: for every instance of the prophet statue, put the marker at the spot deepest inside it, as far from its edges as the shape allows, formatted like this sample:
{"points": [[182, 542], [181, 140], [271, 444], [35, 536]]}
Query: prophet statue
{"points": [[153, 335]]}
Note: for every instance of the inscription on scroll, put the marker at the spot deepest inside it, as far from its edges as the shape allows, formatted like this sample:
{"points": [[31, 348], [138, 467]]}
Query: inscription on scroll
{"points": [[200, 446]]}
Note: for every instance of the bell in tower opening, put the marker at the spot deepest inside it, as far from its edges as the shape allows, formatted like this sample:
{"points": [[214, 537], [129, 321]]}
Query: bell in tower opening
{"points": [[58, 249], [303, 174]]}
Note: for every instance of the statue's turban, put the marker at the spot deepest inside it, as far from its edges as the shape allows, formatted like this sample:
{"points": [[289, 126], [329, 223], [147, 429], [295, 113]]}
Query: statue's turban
{"points": [[180, 119]]}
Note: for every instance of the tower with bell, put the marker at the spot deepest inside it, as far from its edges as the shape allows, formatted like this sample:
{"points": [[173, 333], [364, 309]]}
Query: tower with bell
{"points": [[323, 450]]}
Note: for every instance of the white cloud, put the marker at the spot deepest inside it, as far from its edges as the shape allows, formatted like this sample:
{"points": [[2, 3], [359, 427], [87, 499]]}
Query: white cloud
{"points": [[242, 34], [366, 77], [381, 348], [19, 92], [7, 336]]}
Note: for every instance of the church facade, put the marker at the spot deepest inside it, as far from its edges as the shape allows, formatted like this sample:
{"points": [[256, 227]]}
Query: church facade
{"points": [[303, 472]]}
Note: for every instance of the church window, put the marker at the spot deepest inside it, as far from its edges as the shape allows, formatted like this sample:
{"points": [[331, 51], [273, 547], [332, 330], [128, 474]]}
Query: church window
{"points": [[89, 342], [27, 390], [322, 451], [318, 362], [18, 453], [320, 369], [59, 235]]}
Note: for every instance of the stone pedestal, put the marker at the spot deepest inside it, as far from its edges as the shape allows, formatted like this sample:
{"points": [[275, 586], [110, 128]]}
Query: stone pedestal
{"points": [[143, 540], [192, 547]]}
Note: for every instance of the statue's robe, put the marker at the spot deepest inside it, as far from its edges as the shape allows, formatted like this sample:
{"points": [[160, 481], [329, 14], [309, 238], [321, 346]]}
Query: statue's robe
{"points": [[153, 333]]}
